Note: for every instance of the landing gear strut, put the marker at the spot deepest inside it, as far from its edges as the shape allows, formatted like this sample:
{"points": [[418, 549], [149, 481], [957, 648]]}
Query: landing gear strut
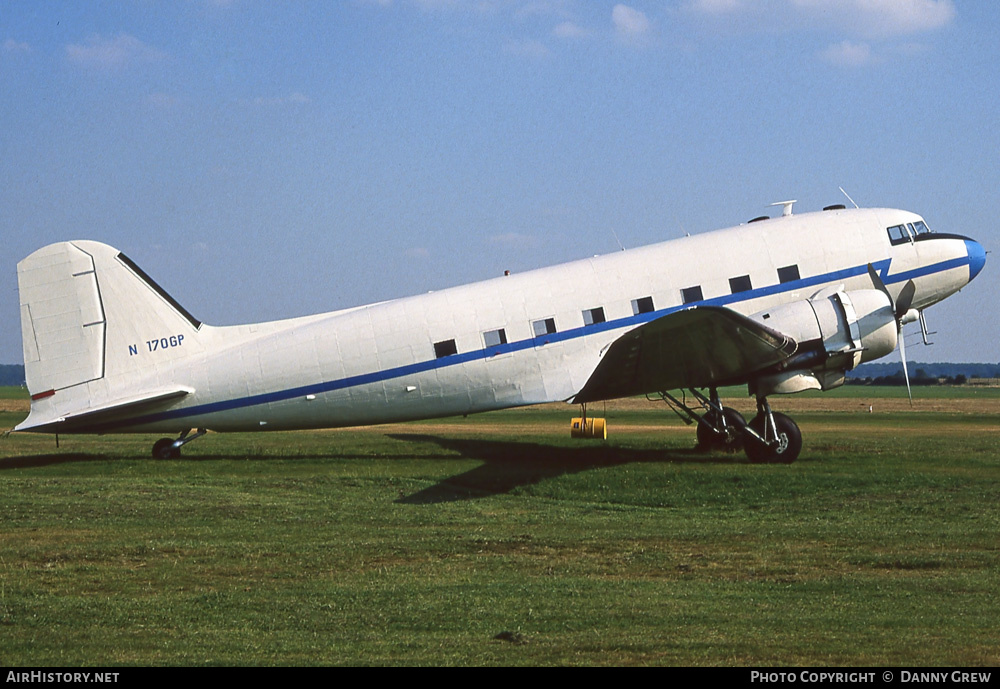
{"points": [[722, 432], [719, 428], [772, 437], [167, 448]]}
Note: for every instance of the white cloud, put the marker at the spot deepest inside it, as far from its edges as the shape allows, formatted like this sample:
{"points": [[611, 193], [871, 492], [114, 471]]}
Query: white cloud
{"points": [[282, 100], [868, 18], [570, 30], [629, 22], [716, 6], [12, 46], [514, 239], [162, 101], [111, 53], [557, 212], [437, 4], [882, 17], [910, 49], [544, 8], [848, 54], [526, 48]]}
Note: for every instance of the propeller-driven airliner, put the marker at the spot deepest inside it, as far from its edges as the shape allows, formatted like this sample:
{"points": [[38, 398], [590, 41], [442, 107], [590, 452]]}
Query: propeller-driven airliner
{"points": [[779, 304]]}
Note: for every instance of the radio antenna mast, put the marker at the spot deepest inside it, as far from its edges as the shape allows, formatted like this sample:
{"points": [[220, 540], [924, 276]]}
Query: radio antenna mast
{"points": [[848, 196], [622, 246]]}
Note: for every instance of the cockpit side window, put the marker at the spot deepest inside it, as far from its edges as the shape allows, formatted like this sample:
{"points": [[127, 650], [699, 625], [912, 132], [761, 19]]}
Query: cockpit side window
{"points": [[911, 231], [898, 234]]}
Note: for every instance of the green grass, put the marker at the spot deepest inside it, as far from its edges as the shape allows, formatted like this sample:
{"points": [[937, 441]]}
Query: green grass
{"points": [[419, 544], [13, 392], [933, 392]]}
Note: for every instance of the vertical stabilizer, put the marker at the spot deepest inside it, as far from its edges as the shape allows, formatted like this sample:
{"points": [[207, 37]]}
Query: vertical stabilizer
{"points": [[96, 330]]}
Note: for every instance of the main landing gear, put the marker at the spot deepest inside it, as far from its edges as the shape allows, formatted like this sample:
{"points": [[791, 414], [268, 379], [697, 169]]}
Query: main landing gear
{"points": [[167, 448], [770, 437]]}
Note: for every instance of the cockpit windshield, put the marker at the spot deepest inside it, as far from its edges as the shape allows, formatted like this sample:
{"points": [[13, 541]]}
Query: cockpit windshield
{"points": [[907, 232]]}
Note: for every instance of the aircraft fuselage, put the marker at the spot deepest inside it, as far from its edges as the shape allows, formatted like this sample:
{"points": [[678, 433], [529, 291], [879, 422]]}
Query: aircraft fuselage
{"points": [[515, 340]]}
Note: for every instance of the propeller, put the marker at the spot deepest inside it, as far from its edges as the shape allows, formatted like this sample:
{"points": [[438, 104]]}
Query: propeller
{"points": [[901, 311]]}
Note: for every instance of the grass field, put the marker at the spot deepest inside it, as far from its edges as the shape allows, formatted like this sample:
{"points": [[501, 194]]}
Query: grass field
{"points": [[422, 543]]}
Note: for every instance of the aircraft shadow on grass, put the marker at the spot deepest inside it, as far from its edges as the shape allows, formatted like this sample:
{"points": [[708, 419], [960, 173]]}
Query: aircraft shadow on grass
{"points": [[507, 465], [29, 461], [43, 460]]}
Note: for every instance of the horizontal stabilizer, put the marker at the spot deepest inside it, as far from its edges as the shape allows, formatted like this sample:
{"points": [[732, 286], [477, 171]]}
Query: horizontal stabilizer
{"points": [[697, 347], [105, 415]]}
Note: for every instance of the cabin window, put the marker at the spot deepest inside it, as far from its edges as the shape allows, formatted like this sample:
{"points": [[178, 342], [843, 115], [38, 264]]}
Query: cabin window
{"points": [[920, 227], [788, 274], [546, 326], [690, 295], [445, 348], [495, 338], [643, 305], [593, 316], [740, 284]]}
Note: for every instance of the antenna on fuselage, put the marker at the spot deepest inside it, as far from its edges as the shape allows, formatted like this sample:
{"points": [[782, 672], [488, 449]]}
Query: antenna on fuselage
{"points": [[786, 207], [848, 197], [622, 246]]}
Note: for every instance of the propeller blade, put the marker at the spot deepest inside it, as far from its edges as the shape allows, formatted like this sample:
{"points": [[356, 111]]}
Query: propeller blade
{"points": [[899, 308], [906, 374], [879, 285], [904, 299]]}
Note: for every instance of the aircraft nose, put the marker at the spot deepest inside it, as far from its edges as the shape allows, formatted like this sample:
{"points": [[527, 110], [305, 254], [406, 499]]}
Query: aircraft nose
{"points": [[977, 258]]}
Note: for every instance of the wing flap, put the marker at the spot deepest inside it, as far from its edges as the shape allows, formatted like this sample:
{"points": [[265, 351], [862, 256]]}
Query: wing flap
{"points": [[696, 347]]}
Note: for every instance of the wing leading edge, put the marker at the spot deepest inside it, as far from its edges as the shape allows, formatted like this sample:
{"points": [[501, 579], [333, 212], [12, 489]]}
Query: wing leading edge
{"points": [[696, 347]]}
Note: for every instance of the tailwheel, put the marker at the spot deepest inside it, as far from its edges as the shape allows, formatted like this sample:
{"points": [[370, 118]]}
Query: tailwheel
{"points": [[723, 434], [164, 449], [777, 442]]}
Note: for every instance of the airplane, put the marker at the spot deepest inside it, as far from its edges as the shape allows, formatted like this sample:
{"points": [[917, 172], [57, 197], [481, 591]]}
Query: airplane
{"points": [[779, 304]]}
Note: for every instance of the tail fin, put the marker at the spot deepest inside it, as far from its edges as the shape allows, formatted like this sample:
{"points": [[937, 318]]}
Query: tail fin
{"points": [[97, 332]]}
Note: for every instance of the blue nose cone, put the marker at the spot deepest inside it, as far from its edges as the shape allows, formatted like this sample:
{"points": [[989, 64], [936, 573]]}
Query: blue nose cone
{"points": [[977, 257]]}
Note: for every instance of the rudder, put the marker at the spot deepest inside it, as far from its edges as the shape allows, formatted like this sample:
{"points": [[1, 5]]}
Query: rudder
{"points": [[62, 319]]}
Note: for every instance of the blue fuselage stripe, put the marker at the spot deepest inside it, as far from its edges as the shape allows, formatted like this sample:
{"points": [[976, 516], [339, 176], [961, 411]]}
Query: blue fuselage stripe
{"points": [[456, 359]]}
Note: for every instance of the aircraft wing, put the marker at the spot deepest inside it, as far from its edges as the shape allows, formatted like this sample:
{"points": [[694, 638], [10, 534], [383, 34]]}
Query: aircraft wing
{"points": [[696, 347]]}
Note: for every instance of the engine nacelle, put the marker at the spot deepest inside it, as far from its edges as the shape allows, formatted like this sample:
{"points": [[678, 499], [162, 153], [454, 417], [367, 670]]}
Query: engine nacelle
{"points": [[836, 331]]}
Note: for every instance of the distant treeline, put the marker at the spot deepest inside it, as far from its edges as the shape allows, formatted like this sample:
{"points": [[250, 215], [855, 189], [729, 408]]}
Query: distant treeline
{"points": [[11, 374], [920, 374]]}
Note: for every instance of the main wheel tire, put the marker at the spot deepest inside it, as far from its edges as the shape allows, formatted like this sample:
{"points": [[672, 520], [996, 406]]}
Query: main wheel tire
{"points": [[731, 439], [789, 441], [164, 449]]}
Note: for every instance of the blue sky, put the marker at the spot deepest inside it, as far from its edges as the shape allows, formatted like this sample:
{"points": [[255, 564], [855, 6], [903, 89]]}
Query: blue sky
{"points": [[269, 159]]}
